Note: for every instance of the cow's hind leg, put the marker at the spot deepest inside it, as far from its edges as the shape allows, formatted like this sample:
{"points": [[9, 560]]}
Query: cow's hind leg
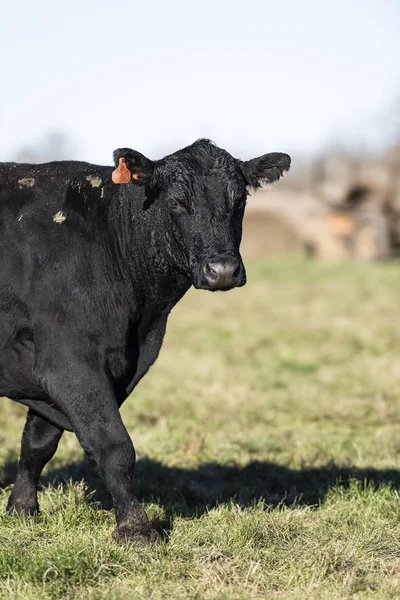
{"points": [[39, 443]]}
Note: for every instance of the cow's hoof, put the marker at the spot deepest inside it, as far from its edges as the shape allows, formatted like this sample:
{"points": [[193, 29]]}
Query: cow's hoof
{"points": [[125, 535], [23, 509]]}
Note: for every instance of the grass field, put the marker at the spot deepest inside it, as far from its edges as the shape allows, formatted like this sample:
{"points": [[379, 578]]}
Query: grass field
{"points": [[268, 443]]}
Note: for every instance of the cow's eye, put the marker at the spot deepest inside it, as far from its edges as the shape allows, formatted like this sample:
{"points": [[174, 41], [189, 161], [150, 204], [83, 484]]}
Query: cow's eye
{"points": [[173, 203]]}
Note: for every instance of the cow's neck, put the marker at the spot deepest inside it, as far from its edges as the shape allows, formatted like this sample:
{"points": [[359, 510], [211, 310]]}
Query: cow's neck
{"points": [[153, 282]]}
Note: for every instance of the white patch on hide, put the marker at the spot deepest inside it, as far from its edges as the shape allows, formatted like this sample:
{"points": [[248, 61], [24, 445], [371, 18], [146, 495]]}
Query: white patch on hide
{"points": [[26, 182], [94, 181], [59, 217]]}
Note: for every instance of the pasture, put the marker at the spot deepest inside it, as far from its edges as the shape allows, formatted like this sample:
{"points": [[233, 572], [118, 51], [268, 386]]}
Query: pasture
{"points": [[268, 446]]}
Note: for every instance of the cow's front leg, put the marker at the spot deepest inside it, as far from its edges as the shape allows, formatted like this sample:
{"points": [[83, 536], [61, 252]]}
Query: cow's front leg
{"points": [[85, 395], [39, 443], [110, 449]]}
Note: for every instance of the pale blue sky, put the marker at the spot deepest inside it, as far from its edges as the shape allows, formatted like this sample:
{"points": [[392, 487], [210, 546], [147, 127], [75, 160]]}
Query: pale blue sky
{"points": [[253, 75]]}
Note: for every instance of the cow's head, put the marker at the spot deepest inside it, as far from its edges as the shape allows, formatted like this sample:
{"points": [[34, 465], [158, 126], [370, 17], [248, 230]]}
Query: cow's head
{"points": [[201, 192]]}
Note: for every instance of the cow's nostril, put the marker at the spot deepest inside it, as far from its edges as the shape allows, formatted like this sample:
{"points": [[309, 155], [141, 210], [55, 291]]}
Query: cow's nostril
{"points": [[210, 271]]}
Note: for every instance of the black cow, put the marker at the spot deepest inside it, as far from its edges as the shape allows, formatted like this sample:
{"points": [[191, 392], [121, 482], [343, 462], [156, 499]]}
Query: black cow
{"points": [[92, 260]]}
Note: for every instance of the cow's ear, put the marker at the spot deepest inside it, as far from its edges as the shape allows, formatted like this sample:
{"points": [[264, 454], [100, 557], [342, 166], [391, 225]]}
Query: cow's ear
{"points": [[265, 169], [131, 166]]}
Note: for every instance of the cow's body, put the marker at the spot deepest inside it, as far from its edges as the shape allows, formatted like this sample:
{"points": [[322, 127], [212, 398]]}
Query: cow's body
{"points": [[89, 272]]}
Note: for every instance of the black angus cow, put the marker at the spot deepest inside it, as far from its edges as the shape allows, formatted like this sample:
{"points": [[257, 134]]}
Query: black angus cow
{"points": [[89, 272]]}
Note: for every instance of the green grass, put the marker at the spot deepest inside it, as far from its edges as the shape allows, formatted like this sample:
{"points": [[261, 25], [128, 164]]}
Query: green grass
{"points": [[268, 443]]}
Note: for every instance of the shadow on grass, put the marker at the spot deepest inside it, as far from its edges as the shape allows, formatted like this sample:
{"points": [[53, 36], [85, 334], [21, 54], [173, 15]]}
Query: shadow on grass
{"points": [[189, 492]]}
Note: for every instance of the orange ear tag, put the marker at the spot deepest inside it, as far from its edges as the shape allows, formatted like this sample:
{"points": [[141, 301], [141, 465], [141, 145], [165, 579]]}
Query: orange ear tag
{"points": [[121, 174]]}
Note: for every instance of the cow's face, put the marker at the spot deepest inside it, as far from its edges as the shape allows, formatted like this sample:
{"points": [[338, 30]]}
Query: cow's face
{"points": [[201, 191]]}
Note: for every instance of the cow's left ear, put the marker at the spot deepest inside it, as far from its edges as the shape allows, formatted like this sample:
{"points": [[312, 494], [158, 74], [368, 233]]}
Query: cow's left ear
{"points": [[265, 169], [131, 166]]}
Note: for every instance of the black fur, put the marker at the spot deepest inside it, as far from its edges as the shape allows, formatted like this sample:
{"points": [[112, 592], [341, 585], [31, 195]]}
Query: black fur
{"points": [[89, 271]]}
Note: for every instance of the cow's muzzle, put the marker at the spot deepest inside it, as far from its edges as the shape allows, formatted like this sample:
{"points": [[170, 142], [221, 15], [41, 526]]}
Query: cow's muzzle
{"points": [[222, 272]]}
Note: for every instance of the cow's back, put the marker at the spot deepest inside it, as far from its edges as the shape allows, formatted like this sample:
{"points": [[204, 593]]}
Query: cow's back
{"points": [[35, 190], [33, 211], [35, 236]]}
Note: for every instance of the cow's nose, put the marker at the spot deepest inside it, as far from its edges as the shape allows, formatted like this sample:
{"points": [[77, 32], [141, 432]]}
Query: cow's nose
{"points": [[222, 273]]}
